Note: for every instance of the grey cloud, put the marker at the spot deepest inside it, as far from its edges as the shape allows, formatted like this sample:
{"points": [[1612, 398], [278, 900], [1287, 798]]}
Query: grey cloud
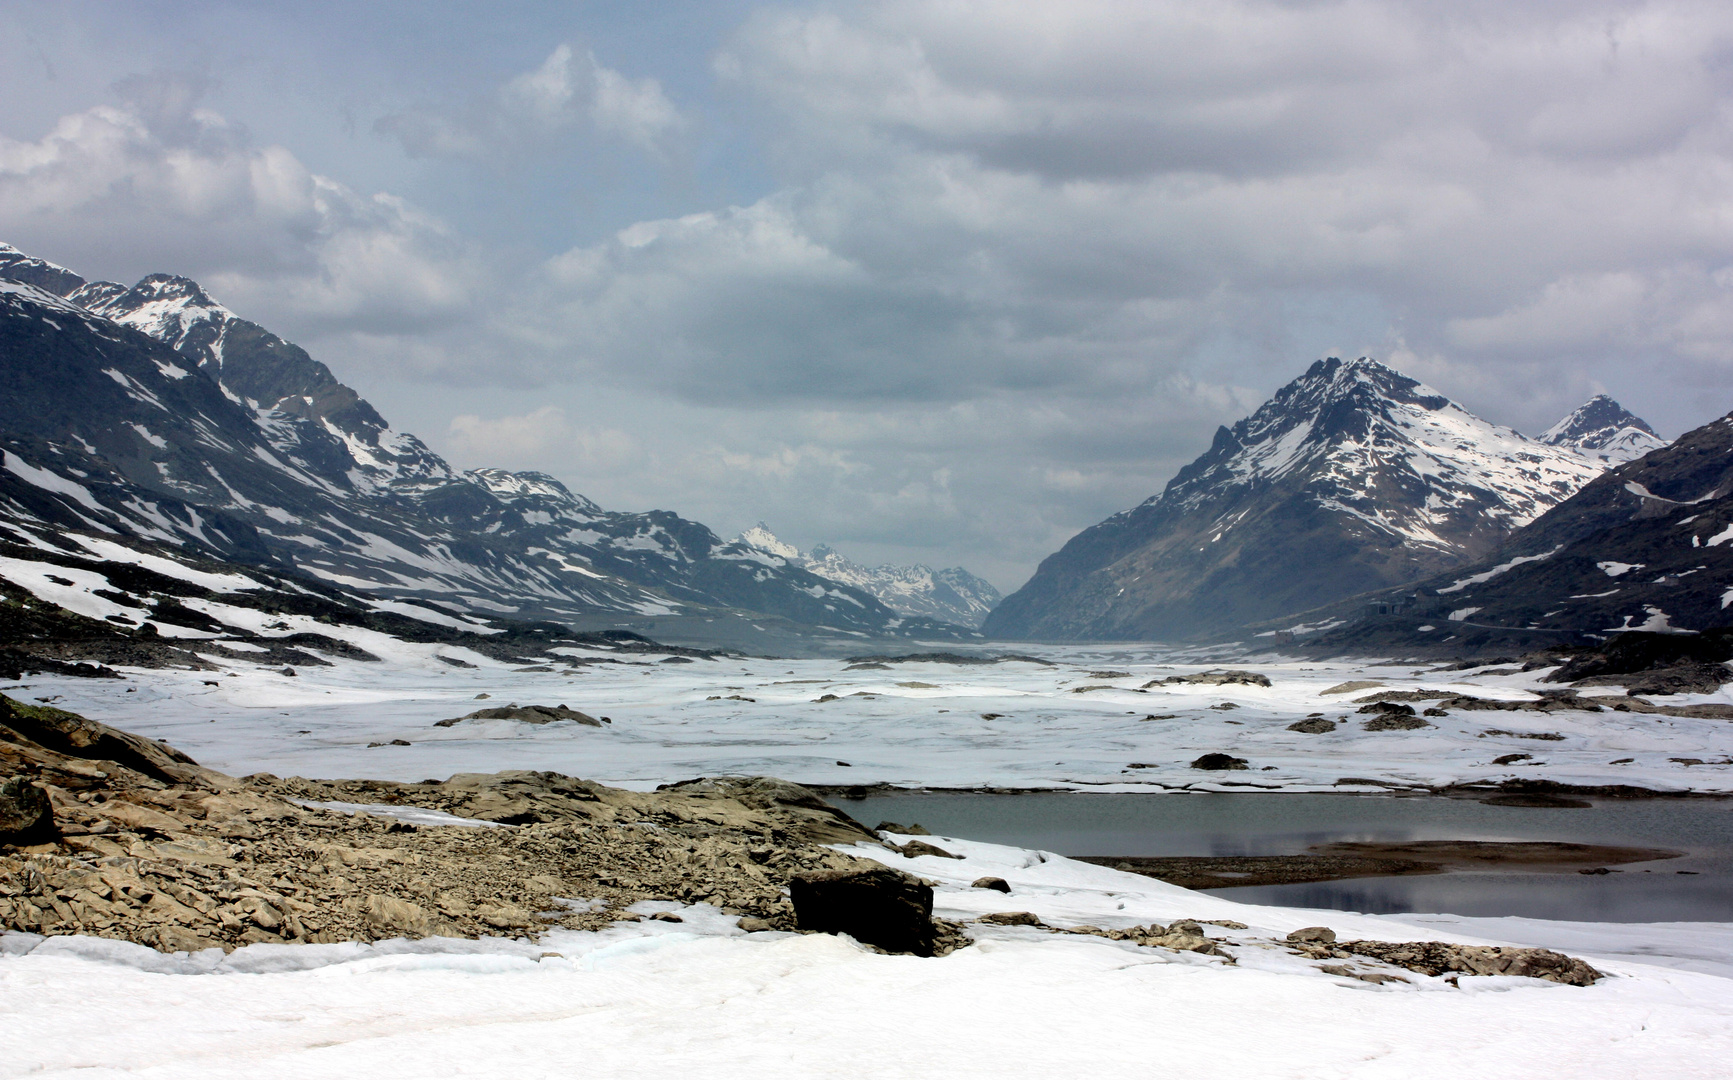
{"points": [[949, 231]]}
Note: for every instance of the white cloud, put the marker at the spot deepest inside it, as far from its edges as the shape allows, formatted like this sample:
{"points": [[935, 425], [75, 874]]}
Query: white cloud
{"points": [[564, 92], [171, 186]]}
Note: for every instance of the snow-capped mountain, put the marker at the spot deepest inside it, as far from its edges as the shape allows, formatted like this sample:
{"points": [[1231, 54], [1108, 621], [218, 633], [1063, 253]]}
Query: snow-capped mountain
{"points": [[156, 413], [1601, 428], [1354, 476], [1648, 545], [952, 595]]}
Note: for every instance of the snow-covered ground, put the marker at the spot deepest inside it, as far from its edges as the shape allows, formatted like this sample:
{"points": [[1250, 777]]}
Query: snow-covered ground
{"points": [[658, 999], [700, 998], [1083, 721]]}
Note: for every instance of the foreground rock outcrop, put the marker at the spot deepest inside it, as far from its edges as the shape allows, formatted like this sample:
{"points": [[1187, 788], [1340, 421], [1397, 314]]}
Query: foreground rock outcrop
{"points": [[157, 850]]}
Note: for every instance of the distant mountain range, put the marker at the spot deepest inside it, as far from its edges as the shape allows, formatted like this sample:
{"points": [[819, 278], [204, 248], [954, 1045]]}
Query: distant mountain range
{"points": [[154, 413], [1352, 478], [953, 595]]}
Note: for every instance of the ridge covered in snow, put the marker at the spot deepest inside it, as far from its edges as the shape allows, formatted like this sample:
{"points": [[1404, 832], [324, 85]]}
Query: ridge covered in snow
{"points": [[1352, 477], [951, 595], [154, 412]]}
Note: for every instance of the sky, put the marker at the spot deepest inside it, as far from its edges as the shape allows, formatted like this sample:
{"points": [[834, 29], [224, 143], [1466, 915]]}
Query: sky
{"points": [[933, 281]]}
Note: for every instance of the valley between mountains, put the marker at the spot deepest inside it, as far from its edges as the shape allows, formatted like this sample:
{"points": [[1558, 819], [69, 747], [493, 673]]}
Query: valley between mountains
{"points": [[149, 422], [318, 751]]}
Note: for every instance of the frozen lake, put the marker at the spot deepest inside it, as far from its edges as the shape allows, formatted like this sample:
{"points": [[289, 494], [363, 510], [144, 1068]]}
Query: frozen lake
{"points": [[1103, 719]]}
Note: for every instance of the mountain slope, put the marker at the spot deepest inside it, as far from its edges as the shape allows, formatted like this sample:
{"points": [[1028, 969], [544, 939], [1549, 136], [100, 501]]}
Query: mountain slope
{"points": [[1601, 428], [161, 415], [951, 595], [1646, 546], [1351, 478]]}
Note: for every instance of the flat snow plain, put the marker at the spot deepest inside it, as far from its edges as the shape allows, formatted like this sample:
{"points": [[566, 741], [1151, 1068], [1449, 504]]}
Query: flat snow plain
{"points": [[702, 998]]}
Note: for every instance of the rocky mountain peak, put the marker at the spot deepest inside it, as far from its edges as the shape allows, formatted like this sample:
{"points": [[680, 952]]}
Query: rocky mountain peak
{"points": [[173, 287], [1351, 476], [173, 309], [260, 454], [761, 538], [1344, 426], [510, 487], [311, 418], [1602, 428], [47, 276]]}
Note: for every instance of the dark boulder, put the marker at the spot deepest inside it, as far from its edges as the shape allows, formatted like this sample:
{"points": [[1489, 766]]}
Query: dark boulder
{"points": [[1395, 722], [1219, 762], [1638, 651], [1320, 934], [1686, 678], [881, 907], [1390, 708], [26, 816], [73, 735]]}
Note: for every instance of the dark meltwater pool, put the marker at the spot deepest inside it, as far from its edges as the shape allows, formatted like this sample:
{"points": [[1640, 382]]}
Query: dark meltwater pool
{"points": [[1272, 824]]}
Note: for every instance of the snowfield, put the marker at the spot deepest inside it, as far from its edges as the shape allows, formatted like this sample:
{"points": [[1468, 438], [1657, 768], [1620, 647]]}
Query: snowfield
{"points": [[656, 999], [1081, 720], [701, 998]]}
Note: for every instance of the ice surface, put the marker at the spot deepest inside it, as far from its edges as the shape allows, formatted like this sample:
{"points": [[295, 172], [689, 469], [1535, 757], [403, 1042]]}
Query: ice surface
{"points": [[1012, 724]]}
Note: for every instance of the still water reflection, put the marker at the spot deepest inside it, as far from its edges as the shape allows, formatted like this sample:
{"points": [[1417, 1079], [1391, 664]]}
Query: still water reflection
{"points": [[1264, 824]]}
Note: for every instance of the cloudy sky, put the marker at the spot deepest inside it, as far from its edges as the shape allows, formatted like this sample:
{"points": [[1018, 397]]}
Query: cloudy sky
{"points": [[939, 281]]}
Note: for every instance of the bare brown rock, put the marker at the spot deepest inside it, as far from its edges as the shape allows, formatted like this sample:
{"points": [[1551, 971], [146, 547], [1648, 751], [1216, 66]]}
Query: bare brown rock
{"points": [[915, 848], [1440, 958], [185, 858]]}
